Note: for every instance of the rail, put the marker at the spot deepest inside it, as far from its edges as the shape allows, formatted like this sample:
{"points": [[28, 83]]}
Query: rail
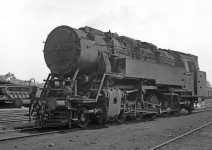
{"points": [[62, 130], [179, 137]]}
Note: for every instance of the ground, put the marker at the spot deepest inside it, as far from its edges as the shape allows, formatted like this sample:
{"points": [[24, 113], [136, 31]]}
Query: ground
{"points": [[201, 140], [130, 135]]}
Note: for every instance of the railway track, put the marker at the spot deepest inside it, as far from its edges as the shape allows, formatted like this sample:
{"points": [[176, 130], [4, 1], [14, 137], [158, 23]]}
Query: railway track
{"points": [[65, 130], [28, 135], [19, 115], [13, 115], [204, 109], [180, 137]]}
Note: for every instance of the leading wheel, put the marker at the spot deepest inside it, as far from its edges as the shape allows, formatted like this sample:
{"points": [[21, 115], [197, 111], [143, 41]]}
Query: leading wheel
{"points": [[121, 117], [138, 116], [82, 118], [190, 110]]}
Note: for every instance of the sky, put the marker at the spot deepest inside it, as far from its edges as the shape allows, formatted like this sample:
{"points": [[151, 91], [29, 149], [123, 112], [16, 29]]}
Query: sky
{"points": [[181, 25]]}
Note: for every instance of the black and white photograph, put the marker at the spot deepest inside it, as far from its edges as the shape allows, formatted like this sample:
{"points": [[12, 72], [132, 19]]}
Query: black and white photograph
{"points": [[106, 75]]}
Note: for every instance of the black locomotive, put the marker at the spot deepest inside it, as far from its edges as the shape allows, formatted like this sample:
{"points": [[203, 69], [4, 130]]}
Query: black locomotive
{"points": [[99, 76]]}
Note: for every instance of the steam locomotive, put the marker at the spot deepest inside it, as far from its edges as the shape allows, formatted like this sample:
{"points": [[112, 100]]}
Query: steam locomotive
{"points": [[100, 76]]}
